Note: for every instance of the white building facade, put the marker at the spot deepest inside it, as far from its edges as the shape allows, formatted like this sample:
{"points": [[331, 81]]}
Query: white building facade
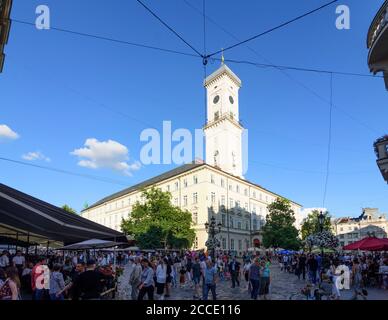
{"points": [[370, 223], [215, 188]]}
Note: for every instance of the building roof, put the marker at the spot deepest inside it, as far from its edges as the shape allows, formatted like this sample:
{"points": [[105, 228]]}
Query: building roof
{"points": [[224, 69], [24, 217], [168, 175], [149, 182]]}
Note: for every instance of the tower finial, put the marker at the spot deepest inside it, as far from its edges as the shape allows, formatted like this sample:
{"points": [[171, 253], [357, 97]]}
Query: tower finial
{"points": [[222, 57]]}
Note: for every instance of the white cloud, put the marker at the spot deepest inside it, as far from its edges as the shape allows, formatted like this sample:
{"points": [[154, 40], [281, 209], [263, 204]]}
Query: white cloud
{"points": [[106, 154], [6, 133], [37, 155]]}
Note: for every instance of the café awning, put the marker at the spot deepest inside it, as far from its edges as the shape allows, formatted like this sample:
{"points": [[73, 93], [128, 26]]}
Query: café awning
{"points": [[369, 244], [25, 218]]}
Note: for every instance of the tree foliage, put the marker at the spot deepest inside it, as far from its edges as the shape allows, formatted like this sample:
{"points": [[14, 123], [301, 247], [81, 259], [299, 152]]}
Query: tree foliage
{"points": [[279, 231], [156, 223], [69, 209], [310, 225]]}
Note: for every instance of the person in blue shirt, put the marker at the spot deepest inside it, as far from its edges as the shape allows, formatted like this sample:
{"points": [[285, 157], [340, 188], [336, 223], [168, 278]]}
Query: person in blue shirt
{"points": [[210, 278], [265, 279]]}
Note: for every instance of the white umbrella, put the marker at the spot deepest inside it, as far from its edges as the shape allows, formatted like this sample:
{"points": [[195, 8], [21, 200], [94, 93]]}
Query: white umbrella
{"points": [[91, 244]]}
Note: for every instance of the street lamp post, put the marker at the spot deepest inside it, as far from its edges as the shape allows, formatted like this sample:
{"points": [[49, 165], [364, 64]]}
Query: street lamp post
{"points": [[321, 221], [212, 229]]}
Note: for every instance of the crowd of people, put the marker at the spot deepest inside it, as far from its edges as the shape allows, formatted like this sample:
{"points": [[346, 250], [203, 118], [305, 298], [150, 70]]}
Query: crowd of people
{"points": [[57, 277], [154, 275], [327, 273]]}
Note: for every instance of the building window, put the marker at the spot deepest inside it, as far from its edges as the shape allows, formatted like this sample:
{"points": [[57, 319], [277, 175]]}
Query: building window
{"points": [[341, 229], [254, 194], [239, 225], [168, 188], [195, 180], [245, 192], [231, 244], [213, 198], [238, 204], [224, 243], [212, 179], [185, 183], [240, 245], [195, 198], [195, 218], [223, 220], [231, 222], [246, 225], [254, 208], [196, 243], [222, 200], [185, 201], [231, 202], [237, 189], [246, 206], [176, 186], [254, 224], [230, 187], [222, 183]]}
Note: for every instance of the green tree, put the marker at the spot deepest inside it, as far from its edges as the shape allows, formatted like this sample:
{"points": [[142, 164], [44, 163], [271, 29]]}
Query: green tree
{"points": [[279, 231], [311, 226], [157, 223], [69, 209]]}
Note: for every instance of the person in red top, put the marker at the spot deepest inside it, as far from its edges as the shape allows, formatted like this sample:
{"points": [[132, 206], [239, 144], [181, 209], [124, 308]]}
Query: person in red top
{"points": [[37, 274]]}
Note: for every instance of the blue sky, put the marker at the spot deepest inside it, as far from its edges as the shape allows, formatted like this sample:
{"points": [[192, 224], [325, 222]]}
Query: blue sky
{"points": [[54, 87]]}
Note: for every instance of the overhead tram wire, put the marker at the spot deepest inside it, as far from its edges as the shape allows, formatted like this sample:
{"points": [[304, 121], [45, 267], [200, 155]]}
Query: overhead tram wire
{"points": [[329, 143], [264, 65], [98, 37], [170, 28], [274, 28], [172, 51], [204, 61], [57, 170], [311, 91]]}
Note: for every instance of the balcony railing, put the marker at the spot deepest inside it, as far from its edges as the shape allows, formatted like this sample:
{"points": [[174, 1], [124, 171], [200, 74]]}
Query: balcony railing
{"points": [[378, 24]]}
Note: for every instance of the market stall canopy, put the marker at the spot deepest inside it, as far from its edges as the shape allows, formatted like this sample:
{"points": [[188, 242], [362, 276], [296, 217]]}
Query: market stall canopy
{"points": [[25, 218], [91, 244], [369, 244]]}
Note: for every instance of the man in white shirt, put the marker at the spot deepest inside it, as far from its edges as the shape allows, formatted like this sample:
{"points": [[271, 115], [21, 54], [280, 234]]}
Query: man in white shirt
{"points": [[4, 260], [19, 260]]}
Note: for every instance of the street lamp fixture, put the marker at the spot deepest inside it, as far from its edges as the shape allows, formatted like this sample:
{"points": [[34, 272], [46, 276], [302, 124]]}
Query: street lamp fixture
{"points": [[321, 221]]}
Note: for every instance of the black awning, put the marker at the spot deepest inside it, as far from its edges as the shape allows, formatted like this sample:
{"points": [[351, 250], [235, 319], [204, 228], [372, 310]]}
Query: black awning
{"points": [[23, 214]]}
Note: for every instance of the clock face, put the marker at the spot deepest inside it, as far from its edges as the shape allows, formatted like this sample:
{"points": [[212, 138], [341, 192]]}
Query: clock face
{"points": [[231, 99], [216, 99]]}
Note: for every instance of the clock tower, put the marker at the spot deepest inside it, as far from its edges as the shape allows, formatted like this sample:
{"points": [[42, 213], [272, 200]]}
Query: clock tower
{"points": [[223, 131]]}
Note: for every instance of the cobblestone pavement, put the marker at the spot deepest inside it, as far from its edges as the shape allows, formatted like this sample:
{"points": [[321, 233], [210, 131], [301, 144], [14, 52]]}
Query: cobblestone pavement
{"points": [[283, 287]]}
